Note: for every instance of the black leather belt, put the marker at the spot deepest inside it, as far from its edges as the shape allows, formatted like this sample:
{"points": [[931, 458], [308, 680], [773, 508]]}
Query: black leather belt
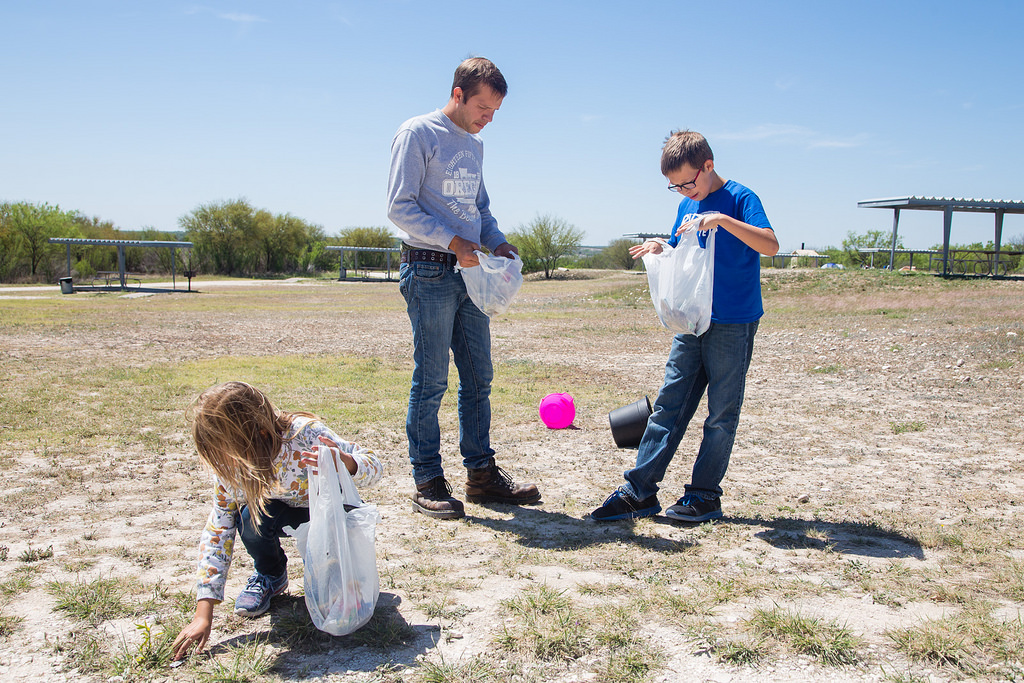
{"points": [[429, 255]]}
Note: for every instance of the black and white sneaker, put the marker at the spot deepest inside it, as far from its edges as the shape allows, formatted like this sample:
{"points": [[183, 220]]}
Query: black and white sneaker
{"points": [[693, 508]]}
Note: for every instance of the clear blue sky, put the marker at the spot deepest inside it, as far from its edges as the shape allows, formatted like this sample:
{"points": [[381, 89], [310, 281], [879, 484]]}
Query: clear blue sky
{"points": [[138, 111]]}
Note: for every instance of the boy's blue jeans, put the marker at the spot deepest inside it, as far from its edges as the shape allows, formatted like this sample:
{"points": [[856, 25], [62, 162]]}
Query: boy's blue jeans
{"points": [[262, 541], [444, 318], [717, 361]]}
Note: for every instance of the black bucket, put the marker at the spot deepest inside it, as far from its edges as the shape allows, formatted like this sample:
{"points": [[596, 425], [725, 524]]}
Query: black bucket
{"points": [[629, 422]]}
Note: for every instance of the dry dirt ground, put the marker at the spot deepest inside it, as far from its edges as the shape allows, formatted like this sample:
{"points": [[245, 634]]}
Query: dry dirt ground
{"points": [[876, 481]]}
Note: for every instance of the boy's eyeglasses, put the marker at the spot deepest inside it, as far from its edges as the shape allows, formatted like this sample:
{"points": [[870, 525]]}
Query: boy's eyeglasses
{"points": [[686, 186]]}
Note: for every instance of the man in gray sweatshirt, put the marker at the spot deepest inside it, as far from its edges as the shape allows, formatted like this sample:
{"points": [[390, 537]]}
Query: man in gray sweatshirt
{"points": [[436, 197]]}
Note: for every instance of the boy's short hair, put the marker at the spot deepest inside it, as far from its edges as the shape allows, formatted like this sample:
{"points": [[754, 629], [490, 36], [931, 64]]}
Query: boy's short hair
{"points": [[477, 71], [684, 147]]}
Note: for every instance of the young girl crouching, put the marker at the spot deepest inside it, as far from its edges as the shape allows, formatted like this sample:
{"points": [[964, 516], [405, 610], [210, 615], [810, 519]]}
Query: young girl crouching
{"points": [[261, 458]]}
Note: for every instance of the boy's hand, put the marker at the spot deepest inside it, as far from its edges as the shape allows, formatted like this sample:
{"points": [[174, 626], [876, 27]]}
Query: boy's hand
{"points": [[648, 247], [702, 222]]}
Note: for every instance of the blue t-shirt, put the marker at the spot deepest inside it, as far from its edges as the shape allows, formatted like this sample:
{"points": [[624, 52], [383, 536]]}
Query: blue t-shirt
{"points": [[736, 295]]}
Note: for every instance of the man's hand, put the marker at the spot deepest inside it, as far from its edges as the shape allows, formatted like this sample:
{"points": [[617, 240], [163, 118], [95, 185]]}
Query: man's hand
{"points": [[648, 247], [505, 249], [464, 251]]}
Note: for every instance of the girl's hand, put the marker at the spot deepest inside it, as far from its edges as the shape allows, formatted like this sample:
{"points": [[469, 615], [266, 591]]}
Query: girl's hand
{"points": [[309, 458], [648, 247], [196, 633]]}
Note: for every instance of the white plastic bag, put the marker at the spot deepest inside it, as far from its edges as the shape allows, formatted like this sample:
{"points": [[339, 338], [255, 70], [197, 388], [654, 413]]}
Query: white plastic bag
{"points": [[681, 282], [494, 283], [340, 577]]}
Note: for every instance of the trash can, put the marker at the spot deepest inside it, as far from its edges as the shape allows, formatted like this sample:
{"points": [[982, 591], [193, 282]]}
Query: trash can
{"points": [[66, 287]]}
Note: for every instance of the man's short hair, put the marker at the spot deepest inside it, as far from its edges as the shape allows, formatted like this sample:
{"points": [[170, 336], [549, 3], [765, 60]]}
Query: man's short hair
{"points": [[477, 71], [684, 147]]}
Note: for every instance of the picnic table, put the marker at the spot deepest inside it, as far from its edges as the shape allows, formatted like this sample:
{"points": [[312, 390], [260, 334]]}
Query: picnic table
{"points": [[978, 261], [111, 278]]}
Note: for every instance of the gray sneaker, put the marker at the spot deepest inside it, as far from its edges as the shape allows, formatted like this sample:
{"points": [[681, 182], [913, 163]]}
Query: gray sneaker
{"points": [[254, 600]]}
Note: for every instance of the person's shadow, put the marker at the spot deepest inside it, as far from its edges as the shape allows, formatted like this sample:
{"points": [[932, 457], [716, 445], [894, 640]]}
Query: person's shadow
{"points": [[303, 651], [538, 528]]}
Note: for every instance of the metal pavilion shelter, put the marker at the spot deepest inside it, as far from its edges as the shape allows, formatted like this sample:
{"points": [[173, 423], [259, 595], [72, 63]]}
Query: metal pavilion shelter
{"points": [[121, 244], [947, 206]]}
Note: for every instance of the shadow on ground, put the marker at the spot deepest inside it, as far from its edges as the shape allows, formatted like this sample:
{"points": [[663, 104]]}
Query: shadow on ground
{"points": [[538, 528], [387, 640]]}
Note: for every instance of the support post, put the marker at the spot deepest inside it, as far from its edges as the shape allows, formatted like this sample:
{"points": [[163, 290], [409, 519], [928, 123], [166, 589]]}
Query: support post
{"points": [[999, 240], [947, 225], [892, 246], [120, 266]]}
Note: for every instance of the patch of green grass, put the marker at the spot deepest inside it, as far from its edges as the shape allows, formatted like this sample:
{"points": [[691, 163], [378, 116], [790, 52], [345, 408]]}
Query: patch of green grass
{"points": [[631, 657], [31, 554], [901, 427], [248, 662], [92, 601], [82, 649], [826, 369], [8, 625], [442, 608], [386, 629], [972, 642], [546, 626], [152, 654], [829, 643], [741, 652], [20, 581], [475, 670]]}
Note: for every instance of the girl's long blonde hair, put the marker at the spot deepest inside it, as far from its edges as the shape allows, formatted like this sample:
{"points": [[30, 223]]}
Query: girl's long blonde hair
{"points": [[238, 432]]}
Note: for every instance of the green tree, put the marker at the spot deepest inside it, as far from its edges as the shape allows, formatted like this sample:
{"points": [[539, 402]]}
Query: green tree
{"points": [[8, 243], [233, 237], [544, 241], [224, 235], [28, 229], [284, 240], [616, 254]]}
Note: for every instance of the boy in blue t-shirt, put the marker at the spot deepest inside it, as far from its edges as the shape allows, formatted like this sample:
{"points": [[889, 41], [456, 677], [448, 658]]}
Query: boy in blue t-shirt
{"points": [[715, 361]]}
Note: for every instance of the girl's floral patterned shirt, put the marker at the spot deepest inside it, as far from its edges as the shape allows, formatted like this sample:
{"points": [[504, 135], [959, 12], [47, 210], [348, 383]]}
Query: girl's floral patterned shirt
{"points": [[218, 539]]}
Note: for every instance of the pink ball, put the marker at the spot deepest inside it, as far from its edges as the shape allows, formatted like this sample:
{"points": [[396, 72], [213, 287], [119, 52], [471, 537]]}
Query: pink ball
{"points": [[557, 411]]}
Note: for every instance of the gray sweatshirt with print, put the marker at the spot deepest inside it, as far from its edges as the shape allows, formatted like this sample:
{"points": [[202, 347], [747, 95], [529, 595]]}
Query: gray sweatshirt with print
{"points": [[436, 187]]}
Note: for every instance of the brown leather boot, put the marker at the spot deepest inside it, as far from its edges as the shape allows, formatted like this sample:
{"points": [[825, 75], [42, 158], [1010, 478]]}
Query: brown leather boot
{"points": [[434, 499], [491, 484]]}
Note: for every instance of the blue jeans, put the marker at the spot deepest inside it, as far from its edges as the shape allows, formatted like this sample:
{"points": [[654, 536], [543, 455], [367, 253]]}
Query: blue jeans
{"points": [[444, 318], [262, 541], [717, 361]]}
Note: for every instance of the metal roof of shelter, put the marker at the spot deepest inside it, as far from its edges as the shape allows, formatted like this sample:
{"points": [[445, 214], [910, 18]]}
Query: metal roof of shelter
{"points": [[121, 244], [947, 205]]}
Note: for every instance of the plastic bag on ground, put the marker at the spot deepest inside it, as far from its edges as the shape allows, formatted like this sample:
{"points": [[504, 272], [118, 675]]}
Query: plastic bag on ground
{"points": [[681, 281], [340, 577], [494, 283]]}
